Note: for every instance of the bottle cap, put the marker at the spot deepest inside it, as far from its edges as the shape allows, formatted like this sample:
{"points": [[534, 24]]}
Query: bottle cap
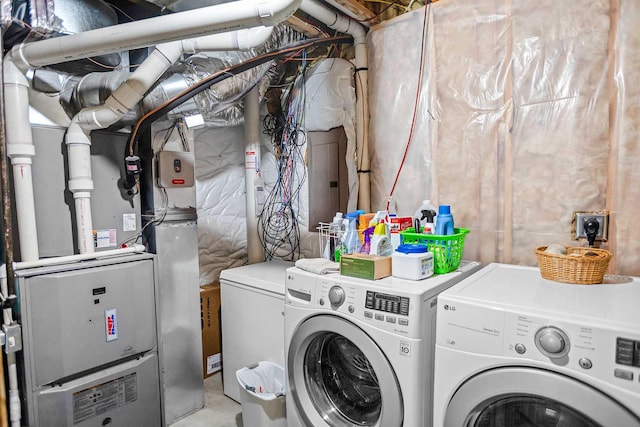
{"points": [[381, 230], [444, 209], [412, 249]]}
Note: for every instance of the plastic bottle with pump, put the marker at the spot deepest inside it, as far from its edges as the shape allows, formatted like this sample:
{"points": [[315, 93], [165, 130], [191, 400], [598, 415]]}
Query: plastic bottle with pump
{"points": [[444, 223], [425, 218]]}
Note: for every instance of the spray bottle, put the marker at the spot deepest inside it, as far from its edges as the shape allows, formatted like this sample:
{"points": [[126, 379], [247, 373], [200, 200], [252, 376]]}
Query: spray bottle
{"points": [[366, 246], [351, 241], [425, 218]]}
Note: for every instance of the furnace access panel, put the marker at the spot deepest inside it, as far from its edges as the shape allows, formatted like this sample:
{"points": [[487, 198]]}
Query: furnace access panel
{"points": [[90, 353]]}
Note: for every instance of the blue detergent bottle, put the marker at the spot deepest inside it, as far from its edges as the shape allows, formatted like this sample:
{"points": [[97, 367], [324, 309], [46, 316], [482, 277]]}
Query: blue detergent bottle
{"points": [[444, 221]]}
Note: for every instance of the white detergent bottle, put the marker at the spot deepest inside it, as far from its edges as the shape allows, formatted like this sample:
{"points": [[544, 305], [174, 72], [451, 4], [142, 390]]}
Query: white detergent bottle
{"points": [[380, 242], [426, 215]]}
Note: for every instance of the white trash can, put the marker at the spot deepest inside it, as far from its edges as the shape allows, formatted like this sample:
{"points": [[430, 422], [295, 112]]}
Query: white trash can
{"points": [[262, 395]]}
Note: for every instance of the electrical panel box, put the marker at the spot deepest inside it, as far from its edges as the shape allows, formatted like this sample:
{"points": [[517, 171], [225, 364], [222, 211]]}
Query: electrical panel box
{"points": [[176, 169], [115, 210], [328, 181]]}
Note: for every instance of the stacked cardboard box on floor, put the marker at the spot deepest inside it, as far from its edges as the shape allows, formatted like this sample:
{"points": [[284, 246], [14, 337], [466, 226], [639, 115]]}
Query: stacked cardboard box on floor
{"points": [[210, 317]]}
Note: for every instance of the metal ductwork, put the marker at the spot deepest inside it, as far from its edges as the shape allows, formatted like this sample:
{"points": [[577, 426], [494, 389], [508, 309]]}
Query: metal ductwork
{"points": [[218, 105], [31, 20]]}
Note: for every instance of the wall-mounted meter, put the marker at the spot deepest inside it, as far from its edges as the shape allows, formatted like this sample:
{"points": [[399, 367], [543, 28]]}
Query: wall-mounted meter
{"points": [[175, 169]]}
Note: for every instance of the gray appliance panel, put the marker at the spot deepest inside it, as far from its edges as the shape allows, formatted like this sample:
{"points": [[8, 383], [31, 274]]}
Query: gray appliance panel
{"points": [[328, 181], [128, 394], [180, 345], [64, 314], [55, 220]]}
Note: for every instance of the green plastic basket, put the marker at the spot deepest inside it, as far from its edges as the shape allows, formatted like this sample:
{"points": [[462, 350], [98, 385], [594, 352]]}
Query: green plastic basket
{"points": [[447, 250]]}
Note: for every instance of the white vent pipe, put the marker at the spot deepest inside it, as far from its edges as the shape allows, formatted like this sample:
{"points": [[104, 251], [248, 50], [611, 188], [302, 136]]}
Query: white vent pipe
{"points": [[21, 150], [75, 258], [346, 25], [209, 20], [252, 169], [203, 21], [124, 98]]}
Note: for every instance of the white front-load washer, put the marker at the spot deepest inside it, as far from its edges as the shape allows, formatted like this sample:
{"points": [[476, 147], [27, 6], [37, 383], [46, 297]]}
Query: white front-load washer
{"points": [[360, 352], [514, 350]]}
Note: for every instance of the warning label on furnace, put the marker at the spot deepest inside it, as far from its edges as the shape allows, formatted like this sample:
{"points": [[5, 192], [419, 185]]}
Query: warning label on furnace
{"points": [[101, 398]]}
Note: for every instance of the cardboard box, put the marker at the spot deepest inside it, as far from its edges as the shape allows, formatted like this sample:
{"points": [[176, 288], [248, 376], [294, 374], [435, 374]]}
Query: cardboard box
{"points": [[211, 333], [365, 266]]}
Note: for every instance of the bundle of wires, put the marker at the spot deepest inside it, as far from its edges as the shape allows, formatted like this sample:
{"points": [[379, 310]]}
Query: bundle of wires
{"points": [[278, 226], [289, 52]]}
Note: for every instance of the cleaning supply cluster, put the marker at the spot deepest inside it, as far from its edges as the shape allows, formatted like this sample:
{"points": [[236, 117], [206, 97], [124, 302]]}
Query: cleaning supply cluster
{"points": [[415, 247]]}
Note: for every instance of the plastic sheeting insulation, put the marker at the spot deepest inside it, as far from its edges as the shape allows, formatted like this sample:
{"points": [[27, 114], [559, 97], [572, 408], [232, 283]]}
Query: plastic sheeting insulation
{"points": [[220, 190], [528, 111]]}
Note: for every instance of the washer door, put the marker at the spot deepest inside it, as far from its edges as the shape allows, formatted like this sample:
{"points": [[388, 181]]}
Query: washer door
{"points": [[338, 376], [519, 397]]}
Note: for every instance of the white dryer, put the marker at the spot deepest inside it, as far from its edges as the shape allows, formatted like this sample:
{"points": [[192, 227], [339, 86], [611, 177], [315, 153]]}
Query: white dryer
{"points": [[252, 312], [513, 349], [360, 352]]}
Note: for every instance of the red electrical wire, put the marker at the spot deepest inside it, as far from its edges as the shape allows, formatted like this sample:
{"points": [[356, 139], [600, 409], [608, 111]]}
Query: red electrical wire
{"points": [[415, 108]]}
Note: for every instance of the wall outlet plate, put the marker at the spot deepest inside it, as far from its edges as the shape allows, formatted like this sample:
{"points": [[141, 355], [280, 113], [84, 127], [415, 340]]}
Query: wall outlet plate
{"points": [[579, 218]]}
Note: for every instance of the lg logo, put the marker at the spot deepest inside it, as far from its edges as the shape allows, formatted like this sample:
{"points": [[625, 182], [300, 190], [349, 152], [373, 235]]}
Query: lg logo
{"points": [[449, 307]]}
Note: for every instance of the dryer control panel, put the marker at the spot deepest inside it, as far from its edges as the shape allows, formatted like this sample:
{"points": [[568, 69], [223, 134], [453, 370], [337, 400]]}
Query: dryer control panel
{"points": [[628, 352]]}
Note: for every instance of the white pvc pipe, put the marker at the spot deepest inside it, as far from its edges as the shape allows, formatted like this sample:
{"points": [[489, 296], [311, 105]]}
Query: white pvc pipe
{"points": [[124, 98], [345, 25], [252, 162], [178, 26], [75, 258], [12, 372], [20, 149], [233, 40]]}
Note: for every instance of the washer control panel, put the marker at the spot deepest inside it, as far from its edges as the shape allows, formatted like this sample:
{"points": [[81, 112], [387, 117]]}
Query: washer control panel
{"points": [[388, 303], [382, 306]]}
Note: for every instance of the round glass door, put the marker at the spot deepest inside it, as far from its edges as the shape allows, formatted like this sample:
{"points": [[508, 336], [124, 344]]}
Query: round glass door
{"points": [[527, 397], [530, 411], [338, 376]]}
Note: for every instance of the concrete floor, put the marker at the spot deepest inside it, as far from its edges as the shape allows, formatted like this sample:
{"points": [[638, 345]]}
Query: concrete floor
{"points": [[218, 411]]}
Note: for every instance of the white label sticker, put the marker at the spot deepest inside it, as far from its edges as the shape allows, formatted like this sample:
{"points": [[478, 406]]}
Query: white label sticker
{"points": [[102, 398], [129, 222], [111, 324], [214, 363], [105, 238], [405, 348]]}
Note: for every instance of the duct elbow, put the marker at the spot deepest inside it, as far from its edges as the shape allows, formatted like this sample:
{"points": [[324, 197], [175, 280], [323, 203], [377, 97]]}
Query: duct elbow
{"points": [[16, 56], [12, 74], [253, 37], [273, 12]]}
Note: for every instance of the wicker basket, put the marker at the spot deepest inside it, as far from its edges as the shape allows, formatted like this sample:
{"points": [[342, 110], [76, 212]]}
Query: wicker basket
{"points": [[586, 269]]}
